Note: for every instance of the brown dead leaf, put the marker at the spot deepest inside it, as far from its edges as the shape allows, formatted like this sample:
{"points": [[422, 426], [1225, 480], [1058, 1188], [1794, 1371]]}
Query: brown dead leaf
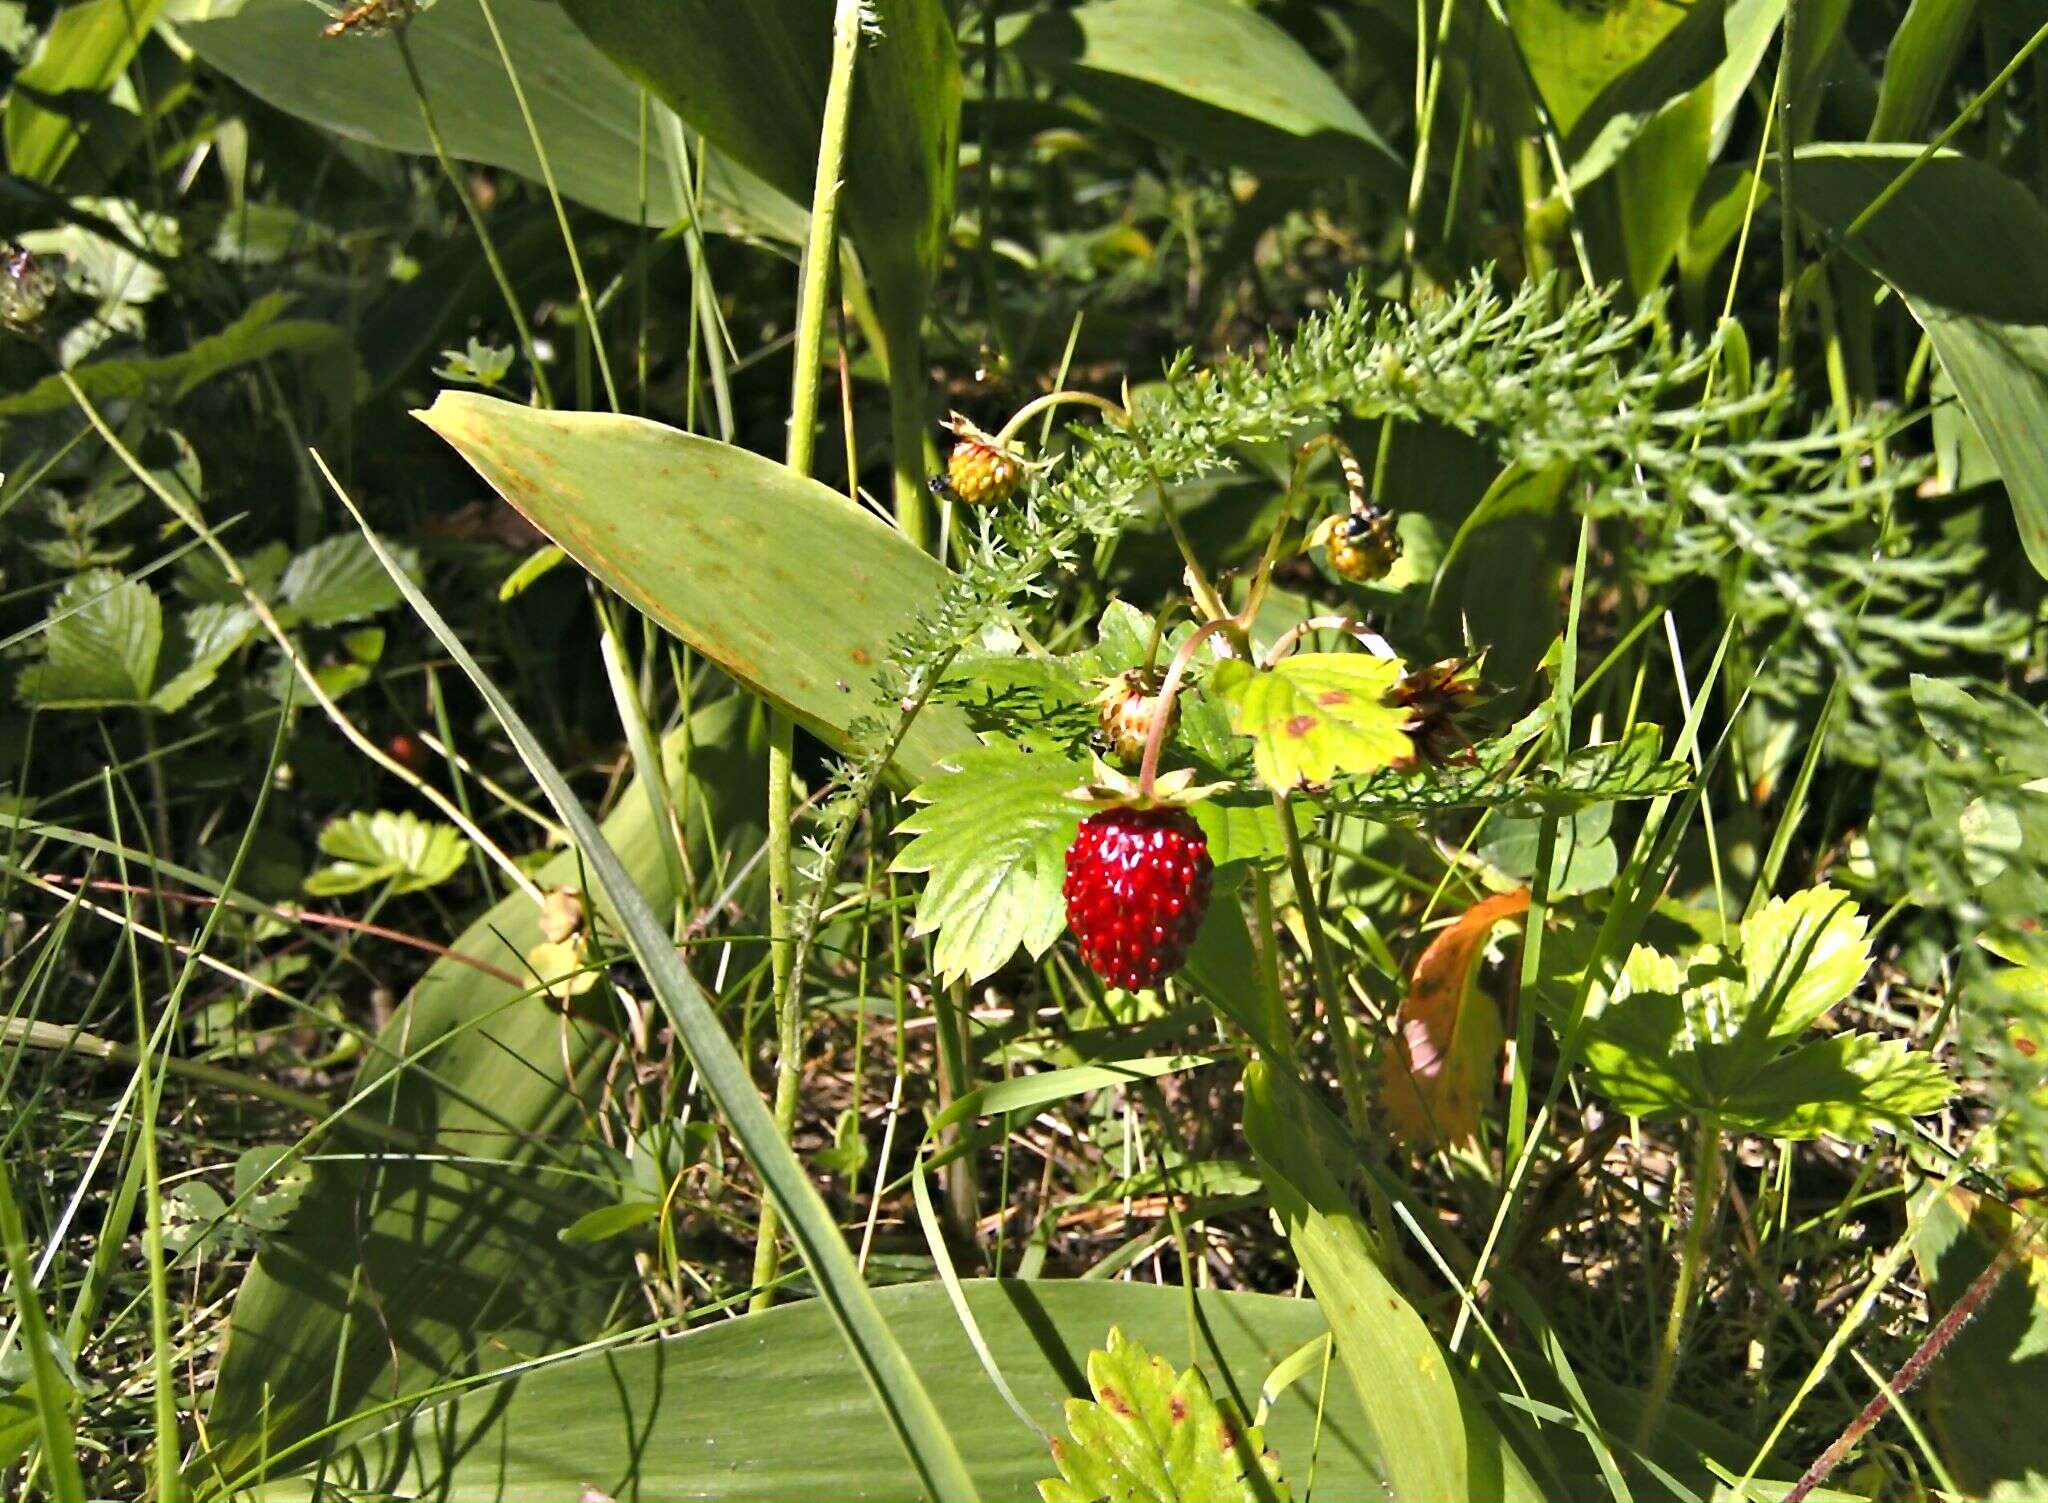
{"points": [[1439, 1067]]}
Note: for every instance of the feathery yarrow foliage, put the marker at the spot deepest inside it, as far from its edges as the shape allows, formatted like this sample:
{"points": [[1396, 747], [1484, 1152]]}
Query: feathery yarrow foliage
{"points": [[1713, 471]]}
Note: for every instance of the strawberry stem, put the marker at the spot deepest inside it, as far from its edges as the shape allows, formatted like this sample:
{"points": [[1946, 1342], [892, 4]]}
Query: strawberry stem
{"points": [[1371, 640], [1051, 399], [1169, 692]]}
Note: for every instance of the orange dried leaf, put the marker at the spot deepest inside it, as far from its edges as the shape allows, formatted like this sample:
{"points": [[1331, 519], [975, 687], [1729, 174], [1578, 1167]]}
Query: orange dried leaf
{"points": [[1441, 1063]]}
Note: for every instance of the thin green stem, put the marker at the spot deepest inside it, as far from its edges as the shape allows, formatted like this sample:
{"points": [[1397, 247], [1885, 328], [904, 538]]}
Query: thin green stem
{"points": [[1349, 1075], [1786, 92], [60, 1445], [547, 175], [1052, 399], [820, 255], [1706, 1208], [484, 240], [1425, 128]]}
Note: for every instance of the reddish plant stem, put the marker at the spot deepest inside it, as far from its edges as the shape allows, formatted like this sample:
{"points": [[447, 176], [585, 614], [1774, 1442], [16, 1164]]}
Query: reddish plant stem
{"points": [[1169, 691], [1915, 1366], [304, 916]]}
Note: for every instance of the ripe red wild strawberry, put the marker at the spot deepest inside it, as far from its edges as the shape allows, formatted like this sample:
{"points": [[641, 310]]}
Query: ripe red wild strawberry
{"points": [[1137, 887]]}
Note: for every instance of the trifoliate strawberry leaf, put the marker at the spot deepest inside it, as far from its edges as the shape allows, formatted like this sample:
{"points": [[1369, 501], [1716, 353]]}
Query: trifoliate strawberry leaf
{"points": [[992, 838], [1803, 954], [1839, 1087], [1149, 1436], [101, 645], [202, 640], [333, 581], [1711, 1035], [370, 849], [1315, 716]]}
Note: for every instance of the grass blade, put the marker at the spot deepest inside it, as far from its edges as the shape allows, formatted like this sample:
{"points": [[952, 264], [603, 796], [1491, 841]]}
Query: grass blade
{"points": [[882, 1359]]}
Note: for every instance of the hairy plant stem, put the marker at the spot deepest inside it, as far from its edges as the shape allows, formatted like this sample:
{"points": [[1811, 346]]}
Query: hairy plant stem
{"points": [[1706, 1207], [1915, 1367], [819, 255], [545, 397]]}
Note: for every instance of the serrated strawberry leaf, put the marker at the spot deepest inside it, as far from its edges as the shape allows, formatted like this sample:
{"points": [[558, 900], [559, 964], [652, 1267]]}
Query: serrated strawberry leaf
{"points": [[402, 849], [992, 839], [100, 647], [1803, 954], [1315, 716], [1151, 1436], [1712, 1036]]}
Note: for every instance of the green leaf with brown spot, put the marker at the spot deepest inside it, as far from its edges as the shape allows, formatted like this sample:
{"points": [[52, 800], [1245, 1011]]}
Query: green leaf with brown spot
{"points": [[774, 577], [1151, 1436], [1315, 716]]}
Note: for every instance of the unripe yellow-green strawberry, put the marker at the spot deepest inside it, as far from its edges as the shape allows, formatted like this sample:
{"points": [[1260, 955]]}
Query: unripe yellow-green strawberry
{"points": [[1128, 706], [980, 470], [1361, 545]]}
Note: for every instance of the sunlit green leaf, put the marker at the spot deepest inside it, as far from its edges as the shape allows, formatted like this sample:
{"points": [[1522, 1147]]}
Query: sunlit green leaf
{"points": [[1803, 954], [586, 110], [992, 836], [1150, 1435], [1212, 77], [1315, 715], [1719, 1037], [370, 849]]}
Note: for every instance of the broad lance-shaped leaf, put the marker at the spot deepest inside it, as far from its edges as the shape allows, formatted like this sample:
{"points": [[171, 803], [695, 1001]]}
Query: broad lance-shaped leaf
{"points": [[1966, 246], [668, 1418], [1315, 716], [1428, 1436], [1149, 1435], [1212, 77], [586, 110], [457, 1250], [1441, 1064], [84, 53], [774, 577], [752, 79]]}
